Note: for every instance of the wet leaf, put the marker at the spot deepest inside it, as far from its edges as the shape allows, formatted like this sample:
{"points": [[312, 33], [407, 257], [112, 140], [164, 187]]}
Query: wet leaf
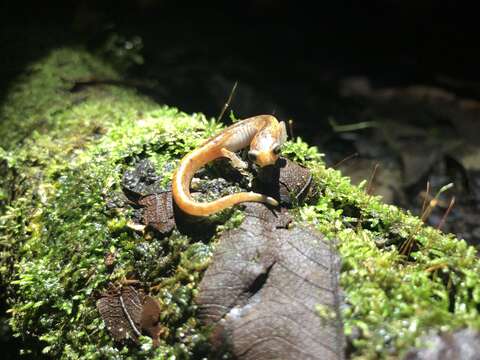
{"points": [[121, 311], [150, 319], [263, 289], [158, 212]]}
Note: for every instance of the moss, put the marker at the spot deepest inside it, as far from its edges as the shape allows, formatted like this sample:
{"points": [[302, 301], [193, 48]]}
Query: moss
{"points": [[62, 157], [56, 229], [393, 299]]}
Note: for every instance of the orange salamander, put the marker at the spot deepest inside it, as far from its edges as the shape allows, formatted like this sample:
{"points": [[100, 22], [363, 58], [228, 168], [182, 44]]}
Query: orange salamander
{"points": [[265, 135]]}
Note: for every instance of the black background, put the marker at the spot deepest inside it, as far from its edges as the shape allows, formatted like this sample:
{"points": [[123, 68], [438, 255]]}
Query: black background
{"points": [[291, 52]]}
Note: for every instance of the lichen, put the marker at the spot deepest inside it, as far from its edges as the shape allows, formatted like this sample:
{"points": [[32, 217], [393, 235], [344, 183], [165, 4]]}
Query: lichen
{"points": [[62, 157]]}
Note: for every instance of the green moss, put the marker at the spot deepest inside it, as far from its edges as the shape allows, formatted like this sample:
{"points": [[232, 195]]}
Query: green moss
{"points": [[62, 156], [56, 229], [393, 299]]}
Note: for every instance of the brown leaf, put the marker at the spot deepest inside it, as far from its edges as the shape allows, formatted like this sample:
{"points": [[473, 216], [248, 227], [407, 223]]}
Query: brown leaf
{"points": [[261, 292], [289, 182], [295, 181], [158, 212], [121, 312], [150, 320], [128, 312]]}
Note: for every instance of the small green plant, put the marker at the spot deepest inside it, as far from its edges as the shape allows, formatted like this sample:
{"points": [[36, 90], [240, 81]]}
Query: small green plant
{"points": [[300, 151]]}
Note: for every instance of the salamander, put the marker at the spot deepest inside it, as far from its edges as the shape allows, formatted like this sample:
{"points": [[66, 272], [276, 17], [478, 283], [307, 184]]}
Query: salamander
{"points": [[265, 135]]}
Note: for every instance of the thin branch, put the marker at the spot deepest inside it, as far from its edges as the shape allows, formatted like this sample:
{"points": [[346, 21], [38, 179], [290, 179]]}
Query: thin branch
{"points": [[425, 199], [372, 177], [444, 217], [290, 128], [229, 100], [352, 127], [345, 159]]}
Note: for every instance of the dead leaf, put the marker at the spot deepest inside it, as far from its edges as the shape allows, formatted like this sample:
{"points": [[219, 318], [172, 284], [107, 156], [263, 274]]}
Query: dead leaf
{"points": [[262, 292], [121, 312], [158, 213], [150, 319], [128, 312]]}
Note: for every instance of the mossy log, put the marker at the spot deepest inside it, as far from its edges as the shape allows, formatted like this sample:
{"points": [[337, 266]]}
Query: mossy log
{"points": [[66, 139]]}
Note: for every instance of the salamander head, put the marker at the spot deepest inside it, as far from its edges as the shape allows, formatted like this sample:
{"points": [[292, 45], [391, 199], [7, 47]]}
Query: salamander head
{"points": [[266, 145], [264, 158]]}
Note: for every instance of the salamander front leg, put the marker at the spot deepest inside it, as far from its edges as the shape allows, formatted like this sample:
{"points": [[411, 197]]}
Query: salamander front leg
{"points": [[237, 163]]}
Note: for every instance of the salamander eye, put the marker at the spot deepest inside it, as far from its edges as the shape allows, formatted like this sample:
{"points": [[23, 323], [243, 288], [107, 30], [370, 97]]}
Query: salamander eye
{"points": [[252, 155], [276, 150]]}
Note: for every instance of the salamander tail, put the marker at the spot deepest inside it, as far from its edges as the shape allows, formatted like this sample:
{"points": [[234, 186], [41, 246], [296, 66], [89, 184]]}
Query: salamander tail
{"points": [[270, 201]]}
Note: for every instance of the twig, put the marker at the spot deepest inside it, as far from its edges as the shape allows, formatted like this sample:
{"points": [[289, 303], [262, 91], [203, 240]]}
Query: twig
{"points": [[369, 188], [444, 217], [345, 159], [229, 100], [352, 127], [290, 128], [436, 267], [427, 194], [372, 177]]}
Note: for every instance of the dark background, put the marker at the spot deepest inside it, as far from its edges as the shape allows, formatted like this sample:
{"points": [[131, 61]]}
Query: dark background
{"points": [[288, 53], [289, 58]]}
